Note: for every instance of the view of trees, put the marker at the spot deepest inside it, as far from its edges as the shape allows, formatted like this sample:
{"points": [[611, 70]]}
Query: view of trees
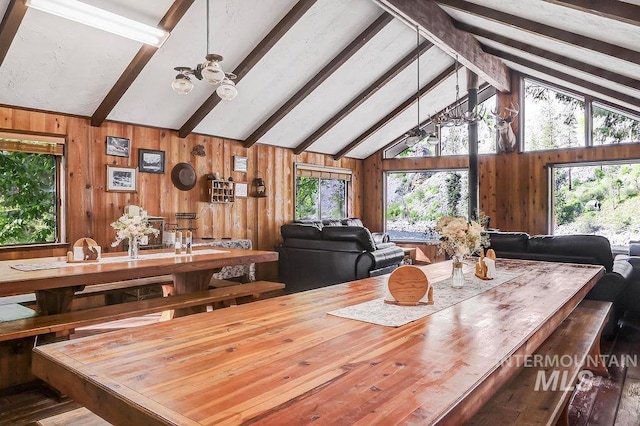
{"points": [[601, 200], [416, 200], [320, 198], [27, 198]]}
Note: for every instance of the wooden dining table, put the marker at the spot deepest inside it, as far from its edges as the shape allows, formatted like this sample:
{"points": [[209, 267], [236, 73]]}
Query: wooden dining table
{"points": [[54, 282], [285, 360]]}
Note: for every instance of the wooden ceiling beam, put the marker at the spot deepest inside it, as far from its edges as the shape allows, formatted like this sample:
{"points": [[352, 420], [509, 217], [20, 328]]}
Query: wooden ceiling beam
{"points": [[364, 95], [623, 97], [438, 27], [616, 10], [396, 112], [249, 62], [553, 57], [137, 64], [544, 30], [10, 24], [320, 77]]}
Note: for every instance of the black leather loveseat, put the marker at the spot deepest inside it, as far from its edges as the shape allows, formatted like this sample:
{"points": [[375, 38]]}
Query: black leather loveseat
{"points": [[315, 255], [583, 249]]}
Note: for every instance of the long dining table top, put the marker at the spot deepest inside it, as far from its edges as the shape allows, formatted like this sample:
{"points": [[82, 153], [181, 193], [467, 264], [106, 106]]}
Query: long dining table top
{"points": [[286, 361], [151, 263]]}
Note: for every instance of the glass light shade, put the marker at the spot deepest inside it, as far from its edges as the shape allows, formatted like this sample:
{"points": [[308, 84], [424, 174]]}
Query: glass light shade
{"points": [[182, 84], [227, 90], [212, 72]]}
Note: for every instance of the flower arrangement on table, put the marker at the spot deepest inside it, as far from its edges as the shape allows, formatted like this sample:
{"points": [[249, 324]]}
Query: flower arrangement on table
{"points": [[460, 238], [133, 225]]}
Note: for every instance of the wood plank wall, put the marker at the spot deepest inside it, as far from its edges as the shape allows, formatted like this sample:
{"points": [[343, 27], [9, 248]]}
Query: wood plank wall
{"points": [[513, 186], [91, 209]]}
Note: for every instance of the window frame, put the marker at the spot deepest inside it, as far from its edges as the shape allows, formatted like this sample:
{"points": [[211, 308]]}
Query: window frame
{"points": [[57, 148], [338, 171]]}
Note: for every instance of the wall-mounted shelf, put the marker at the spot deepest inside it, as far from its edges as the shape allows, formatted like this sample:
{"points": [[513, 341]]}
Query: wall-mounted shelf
{"points": [[221, 191]]}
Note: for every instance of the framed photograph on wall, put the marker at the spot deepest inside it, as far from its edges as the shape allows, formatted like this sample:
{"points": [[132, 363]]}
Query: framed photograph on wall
{"points": [[150, 161], [241, 189], [120, 147], [240, 164], [121, 179]]}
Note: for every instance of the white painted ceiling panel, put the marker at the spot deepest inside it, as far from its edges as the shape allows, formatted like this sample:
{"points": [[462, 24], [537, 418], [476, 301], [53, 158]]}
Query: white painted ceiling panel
{"points": [[441, 97], [150, 99], [570, 51], [586, 24], [380, 54], [576, 73], [562, 83], [432, 63], [3, 6], [327, 28], [55, 64]]}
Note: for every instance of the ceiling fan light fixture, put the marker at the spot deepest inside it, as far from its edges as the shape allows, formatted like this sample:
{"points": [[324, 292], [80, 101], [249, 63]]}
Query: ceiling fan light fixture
{"points": [[227, 90], [101, 19], [182, 84]]}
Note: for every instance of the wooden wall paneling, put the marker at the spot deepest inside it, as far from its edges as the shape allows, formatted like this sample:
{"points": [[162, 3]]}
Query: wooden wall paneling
{"points": [[372, 193]]}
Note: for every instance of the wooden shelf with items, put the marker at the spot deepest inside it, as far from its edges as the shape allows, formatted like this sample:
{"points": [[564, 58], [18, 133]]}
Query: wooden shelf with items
{"points": [[221, 191]]}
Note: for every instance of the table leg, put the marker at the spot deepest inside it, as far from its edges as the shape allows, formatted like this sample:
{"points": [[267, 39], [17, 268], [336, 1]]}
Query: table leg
{"points": [[55, 301], [191, 282]]}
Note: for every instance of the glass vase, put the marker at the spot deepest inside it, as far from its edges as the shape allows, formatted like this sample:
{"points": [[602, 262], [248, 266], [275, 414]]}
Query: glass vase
{"points": [[457, 277], [133, 248]]}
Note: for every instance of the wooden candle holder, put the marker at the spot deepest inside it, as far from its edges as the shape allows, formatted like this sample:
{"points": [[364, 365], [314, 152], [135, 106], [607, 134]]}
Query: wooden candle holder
{"points": [[85, 250], [481, 266]]}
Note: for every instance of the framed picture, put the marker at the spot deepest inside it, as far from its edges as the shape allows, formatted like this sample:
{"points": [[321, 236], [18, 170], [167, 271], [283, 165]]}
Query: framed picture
{"points": [[150, 161], [121, 179], [239, 164], [119, 147], [241, 189]]}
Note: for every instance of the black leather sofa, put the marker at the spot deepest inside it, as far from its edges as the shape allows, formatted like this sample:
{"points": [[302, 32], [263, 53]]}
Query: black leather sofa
{"points": [[583, 249], [632, 293], [315, 255]]}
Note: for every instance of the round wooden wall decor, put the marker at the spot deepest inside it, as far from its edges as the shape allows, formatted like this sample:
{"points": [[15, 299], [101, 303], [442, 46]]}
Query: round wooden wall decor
{"points": [[408, 284]]}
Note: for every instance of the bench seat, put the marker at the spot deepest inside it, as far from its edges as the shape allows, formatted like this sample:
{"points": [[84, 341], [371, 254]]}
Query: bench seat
{"points": [[37, 325], [523, 400]]}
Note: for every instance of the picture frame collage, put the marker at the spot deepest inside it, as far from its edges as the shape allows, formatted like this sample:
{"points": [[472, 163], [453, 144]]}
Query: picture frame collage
{"points": [[124, 178]]}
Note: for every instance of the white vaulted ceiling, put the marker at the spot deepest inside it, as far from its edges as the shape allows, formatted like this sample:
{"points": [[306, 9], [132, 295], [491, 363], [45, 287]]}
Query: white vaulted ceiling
{"points": [[56, 65]]}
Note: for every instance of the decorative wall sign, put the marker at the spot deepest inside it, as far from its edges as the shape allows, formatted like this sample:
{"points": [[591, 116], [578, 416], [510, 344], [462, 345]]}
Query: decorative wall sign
{"points": [[120, 147], [242, 190], [150, 161], [121, 179], [240, 164]]}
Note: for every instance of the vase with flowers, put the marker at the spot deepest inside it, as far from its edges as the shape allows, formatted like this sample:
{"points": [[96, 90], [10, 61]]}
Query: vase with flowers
{"points": [[460, 238], [133, 225]]}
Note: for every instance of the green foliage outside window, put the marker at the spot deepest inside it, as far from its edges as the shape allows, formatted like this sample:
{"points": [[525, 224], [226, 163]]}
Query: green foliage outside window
{"points": [[27, 198], [320, 198]]}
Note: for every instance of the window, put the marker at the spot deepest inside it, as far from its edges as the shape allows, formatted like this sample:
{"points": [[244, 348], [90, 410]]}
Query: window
{"points": [[455, 140], [30, 182], [416, 200], [553, 119], [611, 126], [597, 199], [321, 192]]}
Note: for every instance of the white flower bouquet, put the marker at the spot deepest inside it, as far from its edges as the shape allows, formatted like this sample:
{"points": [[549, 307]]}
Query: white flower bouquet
{"points": [[133, 227], [460, 238]]}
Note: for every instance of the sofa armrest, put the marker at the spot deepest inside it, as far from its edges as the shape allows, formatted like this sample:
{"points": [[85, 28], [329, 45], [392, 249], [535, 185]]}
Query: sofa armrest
{"points": [[380, 237], [378, 259]]}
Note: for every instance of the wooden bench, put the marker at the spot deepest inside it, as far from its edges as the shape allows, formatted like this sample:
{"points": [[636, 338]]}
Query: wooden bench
{"points": [[37, 325], [78, 417], [524, 400]]}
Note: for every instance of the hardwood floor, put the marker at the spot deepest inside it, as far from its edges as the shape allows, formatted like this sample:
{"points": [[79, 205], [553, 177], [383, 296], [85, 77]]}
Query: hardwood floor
{"points": [[611, 401]]}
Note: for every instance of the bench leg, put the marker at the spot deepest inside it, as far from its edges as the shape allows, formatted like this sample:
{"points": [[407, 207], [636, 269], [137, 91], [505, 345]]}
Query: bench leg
{"points": [[595, 362]]}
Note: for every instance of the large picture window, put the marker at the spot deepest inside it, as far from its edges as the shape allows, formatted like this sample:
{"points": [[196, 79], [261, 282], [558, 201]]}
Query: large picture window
{"points": [[611, 126], [321, 193], [597, 199], [30, 182], [416, 200]]}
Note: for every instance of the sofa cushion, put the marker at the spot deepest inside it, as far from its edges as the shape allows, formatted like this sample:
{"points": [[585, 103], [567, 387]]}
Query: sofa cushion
{"points": [[350, 233], [593, 249], [352, 221], [509, 241], [299, 230], [331, 222]]}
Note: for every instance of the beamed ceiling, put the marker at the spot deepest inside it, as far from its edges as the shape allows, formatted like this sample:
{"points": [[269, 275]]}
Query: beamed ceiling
{"points": [[330, 76]]}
